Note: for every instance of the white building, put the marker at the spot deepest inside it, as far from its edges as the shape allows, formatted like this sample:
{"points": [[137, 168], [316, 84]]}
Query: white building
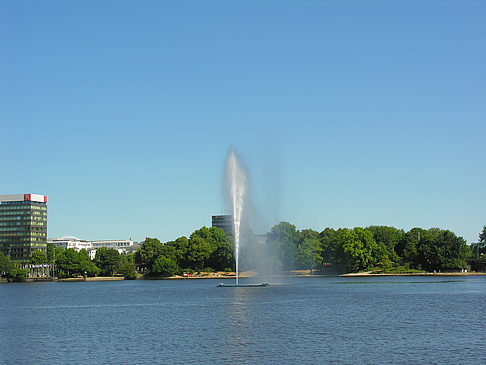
{"points": [[122, 246]]}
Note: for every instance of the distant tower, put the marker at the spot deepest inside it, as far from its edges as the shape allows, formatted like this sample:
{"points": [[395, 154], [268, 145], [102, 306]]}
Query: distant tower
{"points": [[225, 222], [23, 225]]}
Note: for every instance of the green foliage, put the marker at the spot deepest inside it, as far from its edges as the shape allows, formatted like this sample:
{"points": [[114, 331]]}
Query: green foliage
{"points": [[38, 257], [328, 242], [126, 267], [308, 250], [107, 260], [389, 237], [407, 247], [380, 248], [149, 251], [19, 274], [356, 250], [283, 240], [72, 264], [50, 252], [68, 262], [443, 250], [86, 265], [199, 251], [396, 270], [479, 249], [7, 269], [165, 266]]}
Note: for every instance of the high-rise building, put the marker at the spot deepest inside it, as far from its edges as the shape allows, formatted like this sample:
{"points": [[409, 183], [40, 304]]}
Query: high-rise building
{"points": [[23, 225], [225, 222]]}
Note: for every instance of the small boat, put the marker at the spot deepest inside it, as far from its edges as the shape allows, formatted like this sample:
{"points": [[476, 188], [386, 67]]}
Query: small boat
{"points": [[240, 285]]}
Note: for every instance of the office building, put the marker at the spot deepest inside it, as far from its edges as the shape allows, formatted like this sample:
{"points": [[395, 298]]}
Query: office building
{"points": [[23, 225], [225, 222], [122, 246]]}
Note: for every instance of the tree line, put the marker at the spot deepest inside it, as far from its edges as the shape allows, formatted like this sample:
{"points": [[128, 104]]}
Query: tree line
{"points": [[343, 250], [376, 248], [206, 249], [71, 263]]}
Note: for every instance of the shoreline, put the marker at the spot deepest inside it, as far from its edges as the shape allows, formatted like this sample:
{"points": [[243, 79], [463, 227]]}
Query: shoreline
{"points": [[363, 274], [232, 276]]}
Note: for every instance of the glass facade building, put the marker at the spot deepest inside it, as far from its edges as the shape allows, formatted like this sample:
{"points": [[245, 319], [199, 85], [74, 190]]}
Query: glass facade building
{"points": [[23, 225], [225, 222]]}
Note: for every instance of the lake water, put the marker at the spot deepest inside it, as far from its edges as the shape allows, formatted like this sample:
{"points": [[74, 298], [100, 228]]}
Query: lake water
{"points": [[304, 320]]}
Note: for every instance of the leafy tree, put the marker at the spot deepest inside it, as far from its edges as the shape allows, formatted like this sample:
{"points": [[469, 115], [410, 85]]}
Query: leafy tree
{"points": [[107, 259], [9, 271], [67, 261], [308, 250], [328, 242], [86, 265], [149, 251], [165, 266], [407, 247], [355, 249], [479, 248], [181, 247], [50, 252], [126, 268], [389, 237], [199, 251], [38, 257], [482, 237], [283, 240], [222, 249], [6, 266], [443, 250]]}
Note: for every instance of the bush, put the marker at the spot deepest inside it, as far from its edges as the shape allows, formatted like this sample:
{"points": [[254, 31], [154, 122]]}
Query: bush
{"points": [[228, 269], [20, 274], [165, 266]]}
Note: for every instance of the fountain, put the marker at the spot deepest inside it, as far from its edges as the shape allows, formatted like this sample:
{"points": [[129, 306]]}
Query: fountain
{"points": [[236, 186]]}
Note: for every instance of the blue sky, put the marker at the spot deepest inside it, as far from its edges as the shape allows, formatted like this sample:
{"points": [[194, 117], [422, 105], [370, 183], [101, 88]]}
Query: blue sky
{"points": [[345, 113]]}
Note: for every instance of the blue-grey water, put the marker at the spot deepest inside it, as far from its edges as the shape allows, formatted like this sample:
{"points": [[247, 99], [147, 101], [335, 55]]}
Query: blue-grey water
{"points": [[398, 320]]}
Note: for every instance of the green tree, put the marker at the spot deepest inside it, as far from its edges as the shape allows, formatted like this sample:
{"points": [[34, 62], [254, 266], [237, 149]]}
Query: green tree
{"points": [[165, 266], [283, 240], [222, 249], [479, 248], [328, 243], [7, 269], [443, 250], [149, 251], [106, 259], [50, 252], [407, 247], [38, 257], [86, 265], [308, 250], [199, 252], [181, 247], [355, 249], [67, 261], [389, 237], [126, 268]]}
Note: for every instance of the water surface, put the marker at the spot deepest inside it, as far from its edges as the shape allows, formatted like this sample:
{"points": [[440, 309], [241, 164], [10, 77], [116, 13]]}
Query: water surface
{"points": [[302, 320]]}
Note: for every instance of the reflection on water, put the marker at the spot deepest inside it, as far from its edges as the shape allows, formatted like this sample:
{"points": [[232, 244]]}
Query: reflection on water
{"points": [[309, 320]]}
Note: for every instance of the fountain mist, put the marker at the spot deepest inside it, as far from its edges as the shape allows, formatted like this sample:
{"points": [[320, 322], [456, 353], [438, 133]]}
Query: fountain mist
{"points": [[236, 183]]}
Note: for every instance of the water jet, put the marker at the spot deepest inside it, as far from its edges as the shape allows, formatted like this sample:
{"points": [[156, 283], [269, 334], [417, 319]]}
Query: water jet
{"points": [[236, 188]]}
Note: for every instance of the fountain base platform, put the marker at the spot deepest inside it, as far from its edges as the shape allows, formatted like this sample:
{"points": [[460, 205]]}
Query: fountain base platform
{"points": [[240, 285]]}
